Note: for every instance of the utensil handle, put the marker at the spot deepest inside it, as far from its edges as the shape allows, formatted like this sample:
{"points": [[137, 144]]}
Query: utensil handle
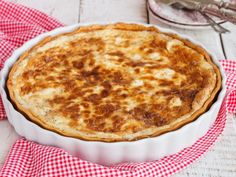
{"points": [[222, 14], [227, 5], [217, 27]]}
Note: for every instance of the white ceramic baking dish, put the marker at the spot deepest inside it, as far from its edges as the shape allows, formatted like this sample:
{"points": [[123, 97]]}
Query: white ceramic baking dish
{"points": [[101, 152]]}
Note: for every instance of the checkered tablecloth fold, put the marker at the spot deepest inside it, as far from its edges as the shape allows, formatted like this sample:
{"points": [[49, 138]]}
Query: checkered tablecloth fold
{"points": [[230, 70], [19, 24]]}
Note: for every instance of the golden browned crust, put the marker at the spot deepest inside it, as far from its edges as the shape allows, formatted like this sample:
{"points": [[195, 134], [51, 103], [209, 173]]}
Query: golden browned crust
{"points": [[145, 122]]}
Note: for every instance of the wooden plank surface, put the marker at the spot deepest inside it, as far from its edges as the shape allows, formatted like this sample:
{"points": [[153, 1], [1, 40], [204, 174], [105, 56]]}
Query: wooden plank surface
{"points": [[113, 10], [65, 11], [229, 42], [220, 160], [8, 136]]}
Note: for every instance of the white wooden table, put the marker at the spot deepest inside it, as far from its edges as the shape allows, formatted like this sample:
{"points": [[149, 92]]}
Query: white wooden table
{"points": [[220, 161]]}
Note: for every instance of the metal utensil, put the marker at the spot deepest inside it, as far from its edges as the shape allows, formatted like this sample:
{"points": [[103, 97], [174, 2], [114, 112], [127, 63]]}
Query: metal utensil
{"points": [[217, 27], [222, 13], [220, 4], [168, 2], [229, 16], [185, 5]]}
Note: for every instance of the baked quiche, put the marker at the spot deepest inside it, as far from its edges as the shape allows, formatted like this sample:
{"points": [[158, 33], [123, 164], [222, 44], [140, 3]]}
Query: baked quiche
{"points": [[116, 82]]}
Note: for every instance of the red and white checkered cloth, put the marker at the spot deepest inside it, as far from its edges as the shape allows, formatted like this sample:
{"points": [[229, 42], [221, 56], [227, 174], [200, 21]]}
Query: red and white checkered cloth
{"points": [[19, 24]]}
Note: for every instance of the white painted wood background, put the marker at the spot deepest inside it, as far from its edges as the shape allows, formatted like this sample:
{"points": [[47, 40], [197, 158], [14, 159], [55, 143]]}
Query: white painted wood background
{"points": [[220, 161]]}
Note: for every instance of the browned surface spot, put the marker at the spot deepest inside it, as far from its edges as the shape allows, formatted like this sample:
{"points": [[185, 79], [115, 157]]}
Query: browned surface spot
{"points": [[88, 43], [136, 64], [106, 84], [117, 53], [78, 64], [137, 70], [94, 98], [106, 109], [26, 75], [163, 82], [105, 93], [149, 117], [70, 110], [97, 123], [27, 88]]}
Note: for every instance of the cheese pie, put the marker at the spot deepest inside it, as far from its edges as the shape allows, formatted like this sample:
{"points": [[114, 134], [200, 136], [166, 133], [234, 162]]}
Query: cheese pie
{"points": [[116, 82]]}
